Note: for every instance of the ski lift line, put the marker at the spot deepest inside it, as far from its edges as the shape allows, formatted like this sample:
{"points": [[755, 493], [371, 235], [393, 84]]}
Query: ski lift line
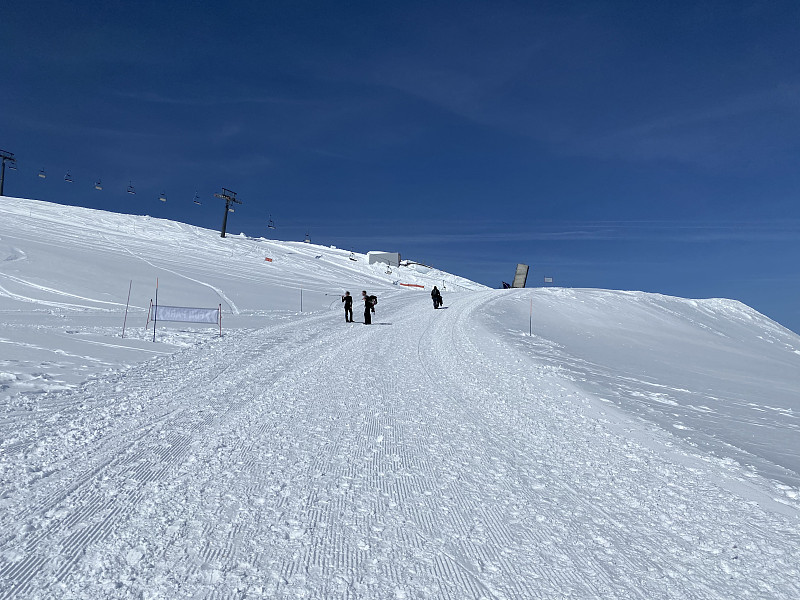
{"points": [[11, 163]]}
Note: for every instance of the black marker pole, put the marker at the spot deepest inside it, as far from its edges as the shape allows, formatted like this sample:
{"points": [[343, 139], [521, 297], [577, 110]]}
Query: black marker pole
{"points": [[155, 312], [126, 309]]}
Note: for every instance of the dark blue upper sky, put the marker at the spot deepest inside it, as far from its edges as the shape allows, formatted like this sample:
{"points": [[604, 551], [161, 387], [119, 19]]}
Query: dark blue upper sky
{"points": [[632, 145]]}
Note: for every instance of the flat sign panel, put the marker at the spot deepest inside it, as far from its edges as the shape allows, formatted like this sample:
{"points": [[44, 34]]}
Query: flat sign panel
{"points": [[185, 314], [520, 277]]}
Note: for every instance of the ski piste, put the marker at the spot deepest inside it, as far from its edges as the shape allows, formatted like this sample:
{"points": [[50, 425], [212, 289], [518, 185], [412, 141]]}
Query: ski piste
{"points": [[631, 446]]}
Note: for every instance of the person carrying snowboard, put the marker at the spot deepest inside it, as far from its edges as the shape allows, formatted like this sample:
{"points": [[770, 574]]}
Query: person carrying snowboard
{"points": [[348, 307], [369, 307], [436, 295]]}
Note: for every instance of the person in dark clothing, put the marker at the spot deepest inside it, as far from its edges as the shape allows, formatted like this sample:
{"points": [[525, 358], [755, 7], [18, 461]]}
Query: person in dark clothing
{"points": [[436, 295], [348, 307], [369, 308]]}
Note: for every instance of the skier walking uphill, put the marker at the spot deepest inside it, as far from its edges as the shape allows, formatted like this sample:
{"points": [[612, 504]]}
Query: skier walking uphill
{"points": [[369, 307], [348, 307], [436, 295]]}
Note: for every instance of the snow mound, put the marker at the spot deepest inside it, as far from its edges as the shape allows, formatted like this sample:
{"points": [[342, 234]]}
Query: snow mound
{"points": [[719, 373]]}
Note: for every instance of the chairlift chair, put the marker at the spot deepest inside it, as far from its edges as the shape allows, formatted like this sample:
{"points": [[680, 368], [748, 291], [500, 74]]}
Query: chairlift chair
{"points": [[353, 257], [162, 197], [131, 189], [270, 223], [12, 165], [68, 178], [98, 185], [197, 198], [42, 174]]}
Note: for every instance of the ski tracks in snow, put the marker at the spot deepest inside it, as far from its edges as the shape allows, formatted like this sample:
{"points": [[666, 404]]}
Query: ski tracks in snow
{"points": [[621, 518], [218, 291], [417, 458]]}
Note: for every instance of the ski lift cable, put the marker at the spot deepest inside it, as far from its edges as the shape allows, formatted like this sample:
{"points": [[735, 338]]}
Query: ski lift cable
{"points": [[130, 189]]}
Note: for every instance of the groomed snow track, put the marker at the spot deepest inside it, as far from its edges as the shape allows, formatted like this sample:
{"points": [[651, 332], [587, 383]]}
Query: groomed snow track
{"points": [[420, 457]]}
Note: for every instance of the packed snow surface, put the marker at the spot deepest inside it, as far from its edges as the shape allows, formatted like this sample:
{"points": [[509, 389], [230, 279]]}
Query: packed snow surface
{"points": [[635, 446]]}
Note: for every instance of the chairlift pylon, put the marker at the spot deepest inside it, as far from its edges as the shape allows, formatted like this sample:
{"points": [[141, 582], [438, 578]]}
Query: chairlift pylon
{"points": [[68, 178], [98, 185], [42, 174], [131, 189]]}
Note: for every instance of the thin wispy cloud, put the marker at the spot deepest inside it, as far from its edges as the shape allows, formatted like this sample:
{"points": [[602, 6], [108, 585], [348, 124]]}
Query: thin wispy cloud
{"points": [[600, 231], [712, 134], [211, 100]]}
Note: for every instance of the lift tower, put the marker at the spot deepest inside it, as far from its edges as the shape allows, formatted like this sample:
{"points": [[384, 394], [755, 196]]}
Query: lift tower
{"points": [[5, 157], [230, 198]]}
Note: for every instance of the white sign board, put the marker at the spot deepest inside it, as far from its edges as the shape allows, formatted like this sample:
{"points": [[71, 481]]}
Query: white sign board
{"points": [[185, 314]]}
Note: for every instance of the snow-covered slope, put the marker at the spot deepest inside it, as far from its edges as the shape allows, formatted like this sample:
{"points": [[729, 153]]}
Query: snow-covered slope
{"points": [[618, 452], [714, 371], [65, 273]]}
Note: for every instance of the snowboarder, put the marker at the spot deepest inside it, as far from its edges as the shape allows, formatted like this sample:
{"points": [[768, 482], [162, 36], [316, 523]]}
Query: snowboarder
{"points": [[369, 307], [348, 307], [436, 295]]}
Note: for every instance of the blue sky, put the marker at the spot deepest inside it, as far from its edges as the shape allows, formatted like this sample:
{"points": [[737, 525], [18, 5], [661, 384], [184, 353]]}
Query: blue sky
{"points": [[629, 145]]}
